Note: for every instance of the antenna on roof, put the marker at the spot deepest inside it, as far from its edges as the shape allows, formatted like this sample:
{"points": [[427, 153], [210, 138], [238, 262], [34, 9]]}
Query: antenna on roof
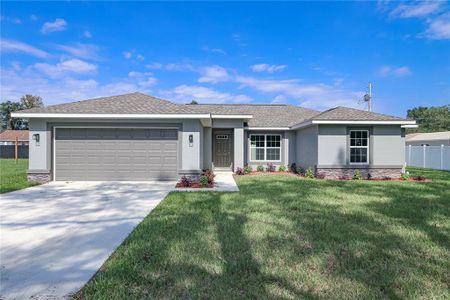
{"points": [[368, 98]]}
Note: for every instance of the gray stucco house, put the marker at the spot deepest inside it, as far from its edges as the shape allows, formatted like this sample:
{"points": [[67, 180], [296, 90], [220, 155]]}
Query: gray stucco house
{"points": [[139, 137]]}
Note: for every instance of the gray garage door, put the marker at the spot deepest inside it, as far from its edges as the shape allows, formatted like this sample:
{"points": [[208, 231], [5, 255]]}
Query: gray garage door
{"points": [[115, 154]]}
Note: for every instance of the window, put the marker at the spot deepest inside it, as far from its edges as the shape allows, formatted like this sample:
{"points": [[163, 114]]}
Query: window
{"points": [[359, 146], [265, 147], [222, 136]]}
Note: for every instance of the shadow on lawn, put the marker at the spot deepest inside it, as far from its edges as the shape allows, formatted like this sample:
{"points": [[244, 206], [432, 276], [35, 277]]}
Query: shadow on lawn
{"points": [[285, 238]]}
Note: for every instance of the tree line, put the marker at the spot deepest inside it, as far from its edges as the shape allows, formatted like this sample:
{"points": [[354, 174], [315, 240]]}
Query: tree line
{"points": [[25, 102]]}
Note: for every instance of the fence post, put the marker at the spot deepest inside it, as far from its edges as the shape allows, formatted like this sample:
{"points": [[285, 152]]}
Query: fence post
{"points": [[442, 157], [409, 155], [16, 150], [424, 155]]}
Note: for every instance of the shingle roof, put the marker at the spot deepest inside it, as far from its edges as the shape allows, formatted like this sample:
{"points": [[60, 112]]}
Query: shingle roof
{"points": [[135, 103], [443, 135], [264, 115], [351, 114], [10, 135]]}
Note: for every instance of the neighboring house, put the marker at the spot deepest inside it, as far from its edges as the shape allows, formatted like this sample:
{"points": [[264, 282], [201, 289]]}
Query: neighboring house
{"points": [[428, 139], [8, 137], [139, 137]]}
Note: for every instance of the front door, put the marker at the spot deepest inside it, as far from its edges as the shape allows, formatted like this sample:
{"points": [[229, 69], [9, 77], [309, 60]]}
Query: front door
{"points": [[223, 149]]}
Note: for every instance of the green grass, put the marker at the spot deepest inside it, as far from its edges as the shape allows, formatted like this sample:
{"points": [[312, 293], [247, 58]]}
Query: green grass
{"points": [[13, 176], [283, 237]]}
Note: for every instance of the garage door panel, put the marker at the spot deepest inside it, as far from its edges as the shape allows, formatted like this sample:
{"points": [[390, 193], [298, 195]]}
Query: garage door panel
{"points": [[115, 154]]}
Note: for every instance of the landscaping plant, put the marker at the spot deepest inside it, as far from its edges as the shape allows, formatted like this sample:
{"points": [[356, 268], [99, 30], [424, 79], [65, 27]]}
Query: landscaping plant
{"points": [[203, 181], [239, 171], [260, 168], [185, 181], [210, 175], [282, 168], [309, 173], [248, 169], [404, 176], [300, 171], [357, 175]]}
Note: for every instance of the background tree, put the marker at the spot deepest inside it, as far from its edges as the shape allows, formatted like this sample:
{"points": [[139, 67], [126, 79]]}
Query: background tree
{"points": [[30, 101], [193, 102], [430, 119], [7, 107]]}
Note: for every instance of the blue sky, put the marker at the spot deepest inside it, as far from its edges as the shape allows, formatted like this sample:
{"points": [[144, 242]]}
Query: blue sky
{"points": [[318, 55]]}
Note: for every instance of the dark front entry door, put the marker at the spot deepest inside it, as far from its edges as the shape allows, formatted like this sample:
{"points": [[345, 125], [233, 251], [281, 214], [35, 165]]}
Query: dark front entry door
{"points": [[223, 148]]}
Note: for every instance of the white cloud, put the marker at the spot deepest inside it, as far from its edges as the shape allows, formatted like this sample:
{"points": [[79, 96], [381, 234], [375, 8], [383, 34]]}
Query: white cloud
{"points": [[57, 25], [86, 51], [144, 79], [214, 74], [68, 66], [385, 71], [33, 18], [14, 84], [439, 28], [267, 68], [15, 46], [127, 54], [181, 67], [187, 93], [87, 34], [417, 10], [317, 96], [279, 99], [140, 57]]}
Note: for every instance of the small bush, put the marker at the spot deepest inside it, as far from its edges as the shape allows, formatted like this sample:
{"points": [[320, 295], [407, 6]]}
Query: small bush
{"points": [[404, 176], [240, 171], [357, 175], [309, 173], [203, 181], [386, 178], [293, 168], [369, 176], [270, 167], [420, 178], [300, 171], [248, 169], [282, 168], [185, 181], [260, 168], [210, 175]]}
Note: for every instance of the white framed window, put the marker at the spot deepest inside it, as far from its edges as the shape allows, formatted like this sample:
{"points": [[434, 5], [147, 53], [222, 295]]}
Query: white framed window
{"points": [[359, 146], [265, 147]]}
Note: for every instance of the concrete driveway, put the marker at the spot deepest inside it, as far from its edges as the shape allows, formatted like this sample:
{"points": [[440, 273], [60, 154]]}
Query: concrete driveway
{"points": [[54, 237]]}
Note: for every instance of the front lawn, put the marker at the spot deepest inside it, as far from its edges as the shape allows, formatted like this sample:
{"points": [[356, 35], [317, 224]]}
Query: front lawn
{"points": [[13, 176], [285, 237]]}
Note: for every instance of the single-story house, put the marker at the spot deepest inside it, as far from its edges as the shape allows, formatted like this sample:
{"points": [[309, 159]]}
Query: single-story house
{"points": [[428, 139], [9, 137], [139, 137]]}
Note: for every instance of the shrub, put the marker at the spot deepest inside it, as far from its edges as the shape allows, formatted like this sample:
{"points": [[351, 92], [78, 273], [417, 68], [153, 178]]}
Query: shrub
{"points": [[210, 175], [309, 173], [386, 178], [203, 181], [260, 168], [369, 176], [282, 168], [248, 169], [357, 175], [420, 178], [239, 171], [300, 171], [270, 167], [404, 176], [293, 168], [185, 181]]}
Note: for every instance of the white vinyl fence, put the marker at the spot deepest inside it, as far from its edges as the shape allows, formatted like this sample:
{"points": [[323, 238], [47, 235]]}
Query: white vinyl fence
{"points": [[433, 157]]}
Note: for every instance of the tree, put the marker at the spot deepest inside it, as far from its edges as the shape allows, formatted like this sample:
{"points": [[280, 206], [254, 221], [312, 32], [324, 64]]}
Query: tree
{"points": [[430, 119], [7, 107], [30, 101], [193, 102]]}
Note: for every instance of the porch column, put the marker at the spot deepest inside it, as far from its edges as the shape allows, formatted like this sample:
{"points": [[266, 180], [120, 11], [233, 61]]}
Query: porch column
{"points": [[238, 148], [207, 148]]}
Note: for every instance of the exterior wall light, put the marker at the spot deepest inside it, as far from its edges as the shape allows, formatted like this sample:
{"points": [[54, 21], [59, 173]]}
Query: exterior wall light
{"points": [[191, 140], [36, 138]]}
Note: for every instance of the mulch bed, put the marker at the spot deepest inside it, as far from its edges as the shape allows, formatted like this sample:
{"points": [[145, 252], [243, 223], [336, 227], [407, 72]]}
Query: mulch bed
{"points": [[194, 186]]}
